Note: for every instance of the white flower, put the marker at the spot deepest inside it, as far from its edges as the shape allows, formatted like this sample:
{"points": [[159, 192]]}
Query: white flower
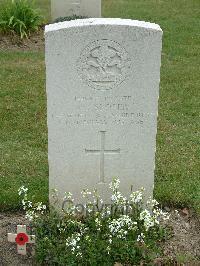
{"points": [[94, 201], [108, 212], [22, 190], [79, 254], [137, 196], [152, 202], [73, 241], [114, 185], [108, 250], [140, 238], [155, 202], [159, 214], [68, 196], [118, 198], [39, 206], [85, 193], [54, 193], [120, 227], [89, 210], [149, 221], [31, 215], [98, 224], [29, 204]]}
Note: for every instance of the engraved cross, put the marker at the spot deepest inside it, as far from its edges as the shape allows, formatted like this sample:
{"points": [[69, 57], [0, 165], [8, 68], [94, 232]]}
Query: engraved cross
{"points": [[102, 153]]}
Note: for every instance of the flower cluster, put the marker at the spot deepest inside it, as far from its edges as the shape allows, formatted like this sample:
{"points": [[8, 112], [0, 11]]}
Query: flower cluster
{"points": [[153, 217], [121, 226], [114, 185], [152, 203], [117, 198], [73, 243], [160, 215], [98, 224], [148, 219], [86, 193], [22, 190], [32, 210], [137, 196], [102, 230], [68, 204]]}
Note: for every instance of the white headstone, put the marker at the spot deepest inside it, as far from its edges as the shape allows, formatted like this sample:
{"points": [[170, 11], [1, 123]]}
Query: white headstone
{"points": [[86, 8], [102, 90]]}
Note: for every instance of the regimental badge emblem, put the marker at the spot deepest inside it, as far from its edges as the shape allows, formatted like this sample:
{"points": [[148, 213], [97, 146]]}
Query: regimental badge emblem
{"points": [[104, 64]]}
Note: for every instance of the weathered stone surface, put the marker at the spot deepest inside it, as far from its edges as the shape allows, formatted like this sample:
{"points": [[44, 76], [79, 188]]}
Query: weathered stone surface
{"points": [[102, 90], [86, 8]]}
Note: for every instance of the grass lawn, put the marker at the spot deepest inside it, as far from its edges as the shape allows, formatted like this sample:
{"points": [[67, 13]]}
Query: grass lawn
{"points": [[23, 144]]}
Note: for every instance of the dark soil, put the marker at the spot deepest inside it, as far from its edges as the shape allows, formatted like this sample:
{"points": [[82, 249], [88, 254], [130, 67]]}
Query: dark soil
{"points": [[14, 43], [183, 247]]}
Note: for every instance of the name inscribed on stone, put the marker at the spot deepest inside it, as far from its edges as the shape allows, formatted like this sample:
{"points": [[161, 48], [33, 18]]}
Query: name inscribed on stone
{"points": [[102, 111]]}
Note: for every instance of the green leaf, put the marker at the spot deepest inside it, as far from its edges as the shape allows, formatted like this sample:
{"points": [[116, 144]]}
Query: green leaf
{"points": [[11, 20]]}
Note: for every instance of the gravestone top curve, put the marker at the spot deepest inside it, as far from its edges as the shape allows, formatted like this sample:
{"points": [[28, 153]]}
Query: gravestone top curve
{"points": [[101, 21]]}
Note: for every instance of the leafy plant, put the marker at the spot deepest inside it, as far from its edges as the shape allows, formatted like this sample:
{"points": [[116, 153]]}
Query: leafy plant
{"points": [[73, 17], [98, 234], [20, 17]]}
